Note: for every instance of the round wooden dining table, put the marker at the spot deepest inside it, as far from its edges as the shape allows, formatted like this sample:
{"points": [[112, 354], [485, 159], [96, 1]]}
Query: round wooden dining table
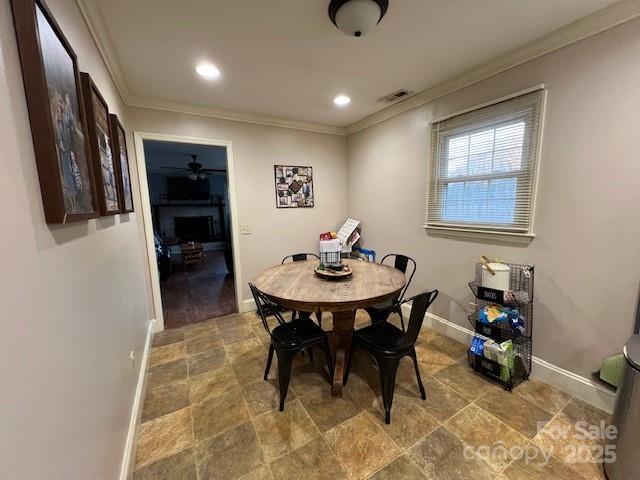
{"points": [[295, 286]]}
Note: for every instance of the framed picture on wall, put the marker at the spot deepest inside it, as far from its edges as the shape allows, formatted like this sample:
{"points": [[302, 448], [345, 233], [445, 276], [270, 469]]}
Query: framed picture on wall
{"points": [[101, 147], [294, 186], [122, 161], [58, 124]]}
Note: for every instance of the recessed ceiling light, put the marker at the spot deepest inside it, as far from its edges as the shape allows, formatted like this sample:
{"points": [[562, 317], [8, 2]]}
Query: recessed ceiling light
{"points": [[208, 71], [342, 100]]}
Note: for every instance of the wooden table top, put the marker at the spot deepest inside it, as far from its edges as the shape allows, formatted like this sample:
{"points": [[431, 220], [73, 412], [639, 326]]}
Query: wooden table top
{"points": [[295, 285]]}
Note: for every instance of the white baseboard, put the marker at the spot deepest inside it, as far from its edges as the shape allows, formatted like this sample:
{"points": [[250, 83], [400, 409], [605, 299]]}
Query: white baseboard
{"points": [[569, 382], [126, 469], [248, 306]]}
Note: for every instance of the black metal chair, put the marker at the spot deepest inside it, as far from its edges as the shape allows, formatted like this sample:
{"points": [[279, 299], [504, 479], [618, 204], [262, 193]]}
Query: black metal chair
{"points": [[303, 257], [388, 345], [288, 339], [381, 311]]}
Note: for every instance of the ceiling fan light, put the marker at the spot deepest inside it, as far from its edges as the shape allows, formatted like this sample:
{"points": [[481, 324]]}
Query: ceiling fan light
{"points": [[192, 176], [202, 176], [357, 17]]}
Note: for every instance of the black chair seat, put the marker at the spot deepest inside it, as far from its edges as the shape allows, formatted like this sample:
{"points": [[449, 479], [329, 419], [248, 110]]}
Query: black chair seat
{"points": [[298, 333], [383, 337]]}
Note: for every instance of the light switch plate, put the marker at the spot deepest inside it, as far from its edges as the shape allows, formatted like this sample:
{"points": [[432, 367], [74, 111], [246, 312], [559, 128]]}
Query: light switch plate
{"points": [[245, 229]]}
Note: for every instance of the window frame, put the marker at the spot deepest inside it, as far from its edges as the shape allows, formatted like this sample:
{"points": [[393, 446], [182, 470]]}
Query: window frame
{"points": [[508, 233]]}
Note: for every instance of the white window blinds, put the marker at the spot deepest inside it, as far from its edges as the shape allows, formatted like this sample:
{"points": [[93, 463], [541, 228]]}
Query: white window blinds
{"points": [[483, 167]]}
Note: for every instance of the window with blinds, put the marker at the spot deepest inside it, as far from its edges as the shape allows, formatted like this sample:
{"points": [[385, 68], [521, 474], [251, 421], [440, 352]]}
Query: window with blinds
{"points": [[483, 167]]}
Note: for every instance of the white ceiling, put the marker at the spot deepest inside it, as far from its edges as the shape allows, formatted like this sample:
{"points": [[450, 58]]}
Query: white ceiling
{"points": [[285, 59], [159, 155]]}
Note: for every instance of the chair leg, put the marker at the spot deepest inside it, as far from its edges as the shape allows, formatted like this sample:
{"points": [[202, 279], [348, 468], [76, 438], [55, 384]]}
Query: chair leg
{"points": [[293, 315], [327, 355], [388, 368], [412, 354], [269, 360], [285, 362], [377, 316], [310, 350], [319, 317]]}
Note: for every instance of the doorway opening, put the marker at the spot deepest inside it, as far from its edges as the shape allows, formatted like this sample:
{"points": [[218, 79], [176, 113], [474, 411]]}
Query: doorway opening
{"points": [[189, 205]]}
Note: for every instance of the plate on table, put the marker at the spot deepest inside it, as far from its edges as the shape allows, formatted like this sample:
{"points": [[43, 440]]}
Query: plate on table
{"points": [[329, 274]]}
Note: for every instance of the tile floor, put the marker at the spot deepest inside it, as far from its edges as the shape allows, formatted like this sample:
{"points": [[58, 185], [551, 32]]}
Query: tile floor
{"points": [[209, 415]]}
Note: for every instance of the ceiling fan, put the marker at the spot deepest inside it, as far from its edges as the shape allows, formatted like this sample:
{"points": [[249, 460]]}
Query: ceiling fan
{"points": [[194, 170]]}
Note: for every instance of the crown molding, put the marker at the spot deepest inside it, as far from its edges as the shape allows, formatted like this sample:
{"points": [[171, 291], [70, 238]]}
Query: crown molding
{"points": [[104, 44], [609, 17], [168, 106], [102, 40]]}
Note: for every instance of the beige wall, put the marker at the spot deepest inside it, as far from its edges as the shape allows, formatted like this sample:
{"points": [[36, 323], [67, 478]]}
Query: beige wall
{"points": [[256, 149], [72, 300], [587, 249]]}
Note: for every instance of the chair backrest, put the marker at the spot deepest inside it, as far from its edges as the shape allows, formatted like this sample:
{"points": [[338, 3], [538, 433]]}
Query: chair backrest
{"points": [[404, 264], [419, 308], [265, 307], [300, 257]]}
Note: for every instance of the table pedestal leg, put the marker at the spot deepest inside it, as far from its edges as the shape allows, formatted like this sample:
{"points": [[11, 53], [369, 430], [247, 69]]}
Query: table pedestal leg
{"points": [[341, 343]]}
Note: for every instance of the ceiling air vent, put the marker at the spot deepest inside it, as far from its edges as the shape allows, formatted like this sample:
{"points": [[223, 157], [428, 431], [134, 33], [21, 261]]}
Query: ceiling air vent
{"points": [[395, 96]]}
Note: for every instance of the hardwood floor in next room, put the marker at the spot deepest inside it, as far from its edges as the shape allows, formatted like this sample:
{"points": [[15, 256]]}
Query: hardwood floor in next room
{"points": [[197, 293]]}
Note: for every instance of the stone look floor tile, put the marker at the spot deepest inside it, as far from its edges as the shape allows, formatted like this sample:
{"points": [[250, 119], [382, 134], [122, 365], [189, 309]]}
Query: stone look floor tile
{"points": [[246, 350], [542, 395], [442, 402], [565, 441], [432, 339], [478, 429], [515, 411], [465, 381], [166, 354], [252, 370], [205, 361], [198, 329], [431, 360], [409, 422], [281, 432], [308, 378], [165, 399], [261, 473], [442, 457], [539, 469], [230, 455], [216, 414], [400, 468], [361, 446], [328, 411], [166, 373], [312, 461], [181, 466], [168, 336], [163, 437], [577, 410], [232, 335], [262, 397], [203, 343], [212, 384]]}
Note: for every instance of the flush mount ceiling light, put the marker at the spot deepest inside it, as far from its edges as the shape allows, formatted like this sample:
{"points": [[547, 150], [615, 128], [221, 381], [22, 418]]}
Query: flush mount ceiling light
{"points": [[208, 71], [356, 17], [342, 100]]}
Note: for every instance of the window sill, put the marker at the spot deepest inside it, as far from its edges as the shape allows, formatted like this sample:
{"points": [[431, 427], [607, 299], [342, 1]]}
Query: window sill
{"points": [[487, 236]]}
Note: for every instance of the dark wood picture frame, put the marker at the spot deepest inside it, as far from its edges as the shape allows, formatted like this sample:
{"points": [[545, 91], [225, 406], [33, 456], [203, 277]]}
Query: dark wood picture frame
{"points": [[56, 114], [103, 157], [121, 156]]}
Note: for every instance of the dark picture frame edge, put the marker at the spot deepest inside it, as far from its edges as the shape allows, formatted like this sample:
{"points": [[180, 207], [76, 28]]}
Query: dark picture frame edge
{"points": [[38, 105], [275, 169], [116, 128], [89, 88]]}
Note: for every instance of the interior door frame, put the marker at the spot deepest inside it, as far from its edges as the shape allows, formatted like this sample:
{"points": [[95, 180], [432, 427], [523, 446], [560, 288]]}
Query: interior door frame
{"points": [[139, 139]]}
